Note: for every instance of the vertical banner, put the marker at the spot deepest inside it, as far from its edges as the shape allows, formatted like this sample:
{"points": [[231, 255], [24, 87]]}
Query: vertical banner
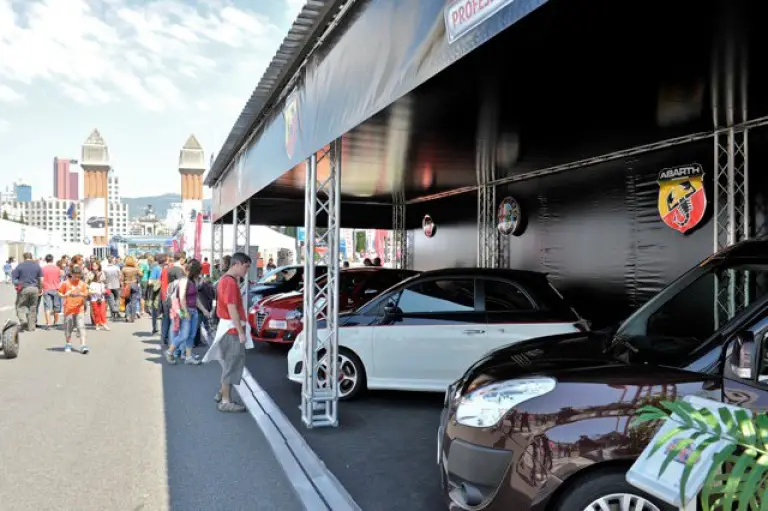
{"points": [[190, 208], [175, 245], [199, 237], [94, 217]]}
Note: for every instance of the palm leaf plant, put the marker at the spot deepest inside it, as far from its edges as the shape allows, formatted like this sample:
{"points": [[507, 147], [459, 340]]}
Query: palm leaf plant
{"points": [[738, 477]]}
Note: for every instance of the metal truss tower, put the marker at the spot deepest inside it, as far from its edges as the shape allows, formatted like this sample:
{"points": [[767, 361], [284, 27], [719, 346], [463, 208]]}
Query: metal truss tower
{"points": [[319, 389], [485, 164], [217, 241], [731, 180], [399, 233]]}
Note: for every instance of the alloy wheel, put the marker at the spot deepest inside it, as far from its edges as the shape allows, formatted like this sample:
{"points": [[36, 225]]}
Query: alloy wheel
{"points": [[348, 375], [622, 502]]}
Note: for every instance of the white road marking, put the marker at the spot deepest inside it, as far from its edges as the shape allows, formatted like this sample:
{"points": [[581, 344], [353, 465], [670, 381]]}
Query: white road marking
{"points": [[4, 308]]}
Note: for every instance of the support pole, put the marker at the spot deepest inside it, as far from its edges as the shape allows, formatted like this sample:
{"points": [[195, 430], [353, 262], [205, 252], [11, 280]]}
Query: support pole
{"points": [[731, 190], [320, 391]]}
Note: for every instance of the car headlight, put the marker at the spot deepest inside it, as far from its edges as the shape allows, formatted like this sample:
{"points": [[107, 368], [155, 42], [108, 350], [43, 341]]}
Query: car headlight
{"points": [[486, 406], [294, 314]]}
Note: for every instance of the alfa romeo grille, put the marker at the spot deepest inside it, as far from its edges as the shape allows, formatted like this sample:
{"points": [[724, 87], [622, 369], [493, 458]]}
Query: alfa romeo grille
{"points": [[260, 317]]}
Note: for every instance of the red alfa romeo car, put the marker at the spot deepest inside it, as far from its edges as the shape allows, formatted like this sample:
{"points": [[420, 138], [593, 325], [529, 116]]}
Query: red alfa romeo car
{"points": [[277, 318]]}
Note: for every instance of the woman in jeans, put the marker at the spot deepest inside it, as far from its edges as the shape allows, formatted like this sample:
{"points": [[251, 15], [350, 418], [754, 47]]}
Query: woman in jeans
{"points": [[185, 305]]}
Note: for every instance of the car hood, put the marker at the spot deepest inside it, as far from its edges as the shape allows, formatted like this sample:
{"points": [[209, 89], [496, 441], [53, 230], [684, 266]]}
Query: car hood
{"points": [[575, 357], [287, 301]]}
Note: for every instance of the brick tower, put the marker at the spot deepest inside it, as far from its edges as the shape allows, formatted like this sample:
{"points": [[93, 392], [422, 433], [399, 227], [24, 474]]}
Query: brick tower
{"points": [[191, 168], [95, 164]]}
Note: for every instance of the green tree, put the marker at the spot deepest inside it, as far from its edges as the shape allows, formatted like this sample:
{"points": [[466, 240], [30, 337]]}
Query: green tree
{"points": [[5, 215], [360, 242]]}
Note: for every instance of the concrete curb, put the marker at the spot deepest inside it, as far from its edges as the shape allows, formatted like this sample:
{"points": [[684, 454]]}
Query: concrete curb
{"points": [[315, 485]]}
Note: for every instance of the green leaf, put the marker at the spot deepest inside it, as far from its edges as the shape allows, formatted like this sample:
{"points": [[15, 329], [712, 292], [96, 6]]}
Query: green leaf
{"points": [[728, 421], [694, 413], [661, 442], [682, 413], [735, 478], [714, 482], [754, 480], [647, 417], [712, 421], [761, 422], [691, 463], [746, 427]]}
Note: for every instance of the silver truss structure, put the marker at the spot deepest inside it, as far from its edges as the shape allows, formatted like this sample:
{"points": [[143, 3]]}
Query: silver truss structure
{"points": [[241, 219], [319, 389], [399, 247], [217, 241], [241, 230], [488, 242], [731, 160]]}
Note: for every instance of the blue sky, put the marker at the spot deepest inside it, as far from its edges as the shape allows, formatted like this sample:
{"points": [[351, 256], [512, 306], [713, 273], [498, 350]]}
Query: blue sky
{"points": [[146, 73]]}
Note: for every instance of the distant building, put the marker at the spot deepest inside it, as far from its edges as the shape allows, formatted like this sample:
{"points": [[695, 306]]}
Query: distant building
{"points": [[74, 186], [23, 192], [49, 214], [113, 187], [64, 185]]}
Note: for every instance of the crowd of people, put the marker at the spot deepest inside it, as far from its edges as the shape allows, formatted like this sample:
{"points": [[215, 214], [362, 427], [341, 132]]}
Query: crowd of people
{"points": [[179, 296]]}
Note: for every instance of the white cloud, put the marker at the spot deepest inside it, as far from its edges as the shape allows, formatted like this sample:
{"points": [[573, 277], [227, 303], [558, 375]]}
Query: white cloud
{"points": [[8, 95], [104, 51], [4, 126], [293, 8]]}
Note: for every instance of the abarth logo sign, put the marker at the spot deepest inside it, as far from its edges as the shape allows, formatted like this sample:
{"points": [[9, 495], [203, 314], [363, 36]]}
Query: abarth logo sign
{"points": [[291, 118], [682, 198]]}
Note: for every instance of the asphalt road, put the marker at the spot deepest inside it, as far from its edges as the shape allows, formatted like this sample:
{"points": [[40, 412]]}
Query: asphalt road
{"points": [[118, 429]]}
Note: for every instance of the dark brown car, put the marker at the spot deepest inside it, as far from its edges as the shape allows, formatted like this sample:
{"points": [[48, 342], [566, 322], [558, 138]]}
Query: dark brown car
{"points": [[547, 423]]}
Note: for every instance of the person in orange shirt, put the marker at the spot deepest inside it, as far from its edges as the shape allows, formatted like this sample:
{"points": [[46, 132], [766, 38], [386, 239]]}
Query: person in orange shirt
{"points": [[74, 292]]}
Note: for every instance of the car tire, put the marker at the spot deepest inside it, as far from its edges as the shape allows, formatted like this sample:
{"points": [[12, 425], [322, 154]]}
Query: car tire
{"points": [[361, 383], [608, 484], [10, 342]]}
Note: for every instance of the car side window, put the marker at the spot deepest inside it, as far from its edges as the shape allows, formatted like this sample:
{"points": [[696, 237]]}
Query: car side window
{"points": [[438, 296], [501, 296]]}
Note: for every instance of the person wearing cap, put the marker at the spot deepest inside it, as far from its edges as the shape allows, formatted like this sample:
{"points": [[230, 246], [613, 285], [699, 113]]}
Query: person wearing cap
{"points": [[74, 292]]}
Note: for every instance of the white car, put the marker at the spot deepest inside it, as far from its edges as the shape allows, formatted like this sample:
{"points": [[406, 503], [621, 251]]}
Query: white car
{"points": [[426, 331]]}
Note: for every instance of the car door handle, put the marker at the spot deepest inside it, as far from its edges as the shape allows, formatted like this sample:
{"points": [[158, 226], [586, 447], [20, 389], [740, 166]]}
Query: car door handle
{"points": [[474, 332]]}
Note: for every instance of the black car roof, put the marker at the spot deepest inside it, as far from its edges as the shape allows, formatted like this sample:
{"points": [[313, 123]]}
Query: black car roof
{"points": [[756, 247], [516, 275]]}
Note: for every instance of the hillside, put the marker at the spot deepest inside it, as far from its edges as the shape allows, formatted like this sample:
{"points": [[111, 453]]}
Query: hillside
{"points": [[161, 204]]}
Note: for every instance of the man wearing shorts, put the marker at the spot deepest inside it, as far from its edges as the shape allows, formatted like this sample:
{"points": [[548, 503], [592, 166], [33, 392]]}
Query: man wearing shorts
{"points": [[229, 306], [74, 292], [51, 284]]}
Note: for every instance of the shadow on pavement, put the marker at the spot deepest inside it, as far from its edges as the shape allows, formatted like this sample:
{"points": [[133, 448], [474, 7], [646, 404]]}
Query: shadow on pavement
{"points": [[215, 461], [384, 450]]}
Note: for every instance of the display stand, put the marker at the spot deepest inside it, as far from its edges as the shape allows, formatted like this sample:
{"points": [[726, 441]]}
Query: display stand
{"points": [[644, 473]]}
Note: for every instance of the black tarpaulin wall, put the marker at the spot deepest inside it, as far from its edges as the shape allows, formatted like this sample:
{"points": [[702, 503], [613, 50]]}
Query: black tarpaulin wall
{"points": [[596, 231]]}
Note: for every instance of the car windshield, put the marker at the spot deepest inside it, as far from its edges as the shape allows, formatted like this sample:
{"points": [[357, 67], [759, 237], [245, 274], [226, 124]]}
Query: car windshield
{"points": [[279, 275], [679, 320]]}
